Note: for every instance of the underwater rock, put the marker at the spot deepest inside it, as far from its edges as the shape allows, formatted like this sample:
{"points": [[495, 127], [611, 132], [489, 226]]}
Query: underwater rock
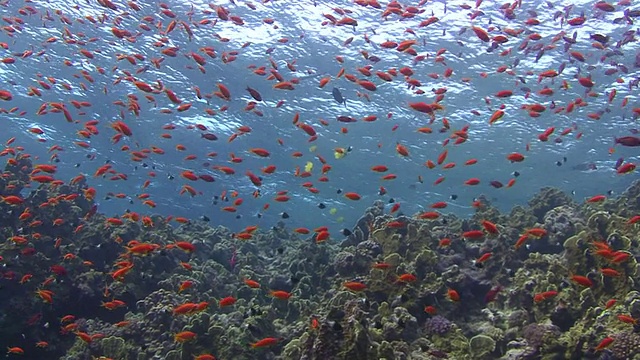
{"points": [[631, 198], [561, 223], [403, 235], [344, 334], [346, 265], [481, 346], [547, 199], [369, 249], [401, 325], [521, 217], [361, 230], [541, 336], [599, 222]]}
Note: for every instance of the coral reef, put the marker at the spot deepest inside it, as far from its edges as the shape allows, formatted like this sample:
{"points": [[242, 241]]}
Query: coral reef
{"points": [[558, 278]]}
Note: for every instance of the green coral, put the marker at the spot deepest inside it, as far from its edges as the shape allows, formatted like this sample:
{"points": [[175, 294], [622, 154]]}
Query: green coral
{"points": [[480, 346], [114, 347]]}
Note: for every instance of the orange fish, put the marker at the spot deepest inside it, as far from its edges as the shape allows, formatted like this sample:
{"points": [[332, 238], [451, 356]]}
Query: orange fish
{"points": [[352, 196], [184, 336], [355, 286], [251, 283], [279, 294], [270, 341]]}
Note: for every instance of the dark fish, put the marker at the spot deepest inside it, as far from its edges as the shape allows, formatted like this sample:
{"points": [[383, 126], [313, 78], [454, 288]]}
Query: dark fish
{"points": [[209, 136], [254, 94], [496, 184], [561, 67], [618, 163], [632, 13], [346, 232], [322, 206], [584, 167], [373, 58], [337, 96], [346, 119], [614, 52], [556, 15], [285, 215], [603, 39], [627, 141]]}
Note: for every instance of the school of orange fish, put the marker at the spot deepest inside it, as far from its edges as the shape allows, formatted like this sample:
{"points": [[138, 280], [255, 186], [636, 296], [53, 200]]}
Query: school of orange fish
{"points": [[154, 73]]}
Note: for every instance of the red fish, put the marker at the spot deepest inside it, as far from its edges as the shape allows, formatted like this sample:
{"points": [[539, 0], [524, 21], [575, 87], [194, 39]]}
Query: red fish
{"points": [[453, 295]]}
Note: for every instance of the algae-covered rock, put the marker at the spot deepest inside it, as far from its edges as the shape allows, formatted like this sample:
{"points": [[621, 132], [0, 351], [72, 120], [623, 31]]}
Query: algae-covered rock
{"points": [[453, 343], [542, 337], [521, 217], [546, 199], [401, 325], [561, 223], [173, 355], [293, 348], [481, 346], [425, 261]]}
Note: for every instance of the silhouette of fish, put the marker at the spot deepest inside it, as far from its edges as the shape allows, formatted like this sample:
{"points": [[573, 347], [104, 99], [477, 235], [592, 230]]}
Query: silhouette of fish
{"points": [[337, 96]]}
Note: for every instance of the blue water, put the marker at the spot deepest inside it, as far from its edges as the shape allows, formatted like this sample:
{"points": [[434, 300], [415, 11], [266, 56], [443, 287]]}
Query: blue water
{"points": [[314, 48]]}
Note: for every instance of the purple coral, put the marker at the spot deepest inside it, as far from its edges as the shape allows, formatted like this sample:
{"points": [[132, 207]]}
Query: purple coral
{"points": [[538, 334], [438, 325]]}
